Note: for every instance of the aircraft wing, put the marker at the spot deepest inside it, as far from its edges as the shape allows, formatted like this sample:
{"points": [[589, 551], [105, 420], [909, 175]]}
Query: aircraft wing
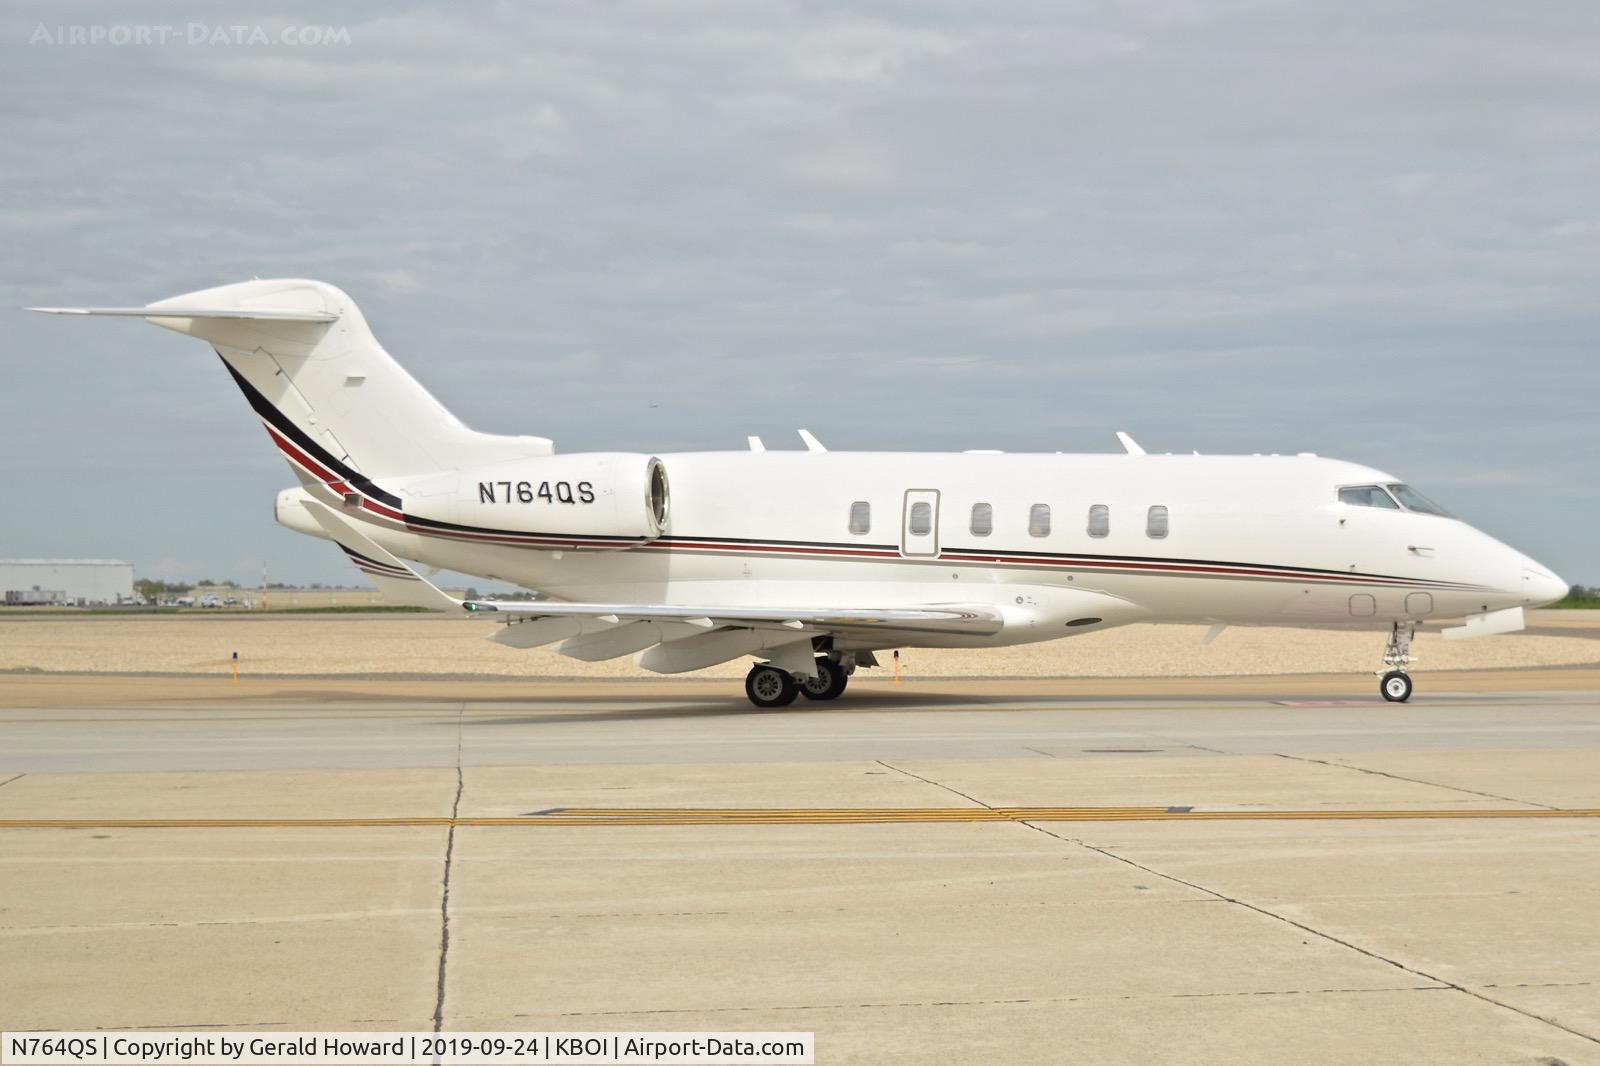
{"points": [[671, 638], [967, 618]]}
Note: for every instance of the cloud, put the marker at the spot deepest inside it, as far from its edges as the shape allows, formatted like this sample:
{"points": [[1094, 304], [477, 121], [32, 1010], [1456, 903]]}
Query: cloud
{"points": [[1360, 229]]}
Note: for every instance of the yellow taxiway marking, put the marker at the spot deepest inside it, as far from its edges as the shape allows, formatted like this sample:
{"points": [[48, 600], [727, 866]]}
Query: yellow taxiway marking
{"points": [[681, 816]]}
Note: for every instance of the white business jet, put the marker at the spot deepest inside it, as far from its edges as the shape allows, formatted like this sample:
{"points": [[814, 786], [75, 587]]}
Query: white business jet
{"points": [[811, 561]]}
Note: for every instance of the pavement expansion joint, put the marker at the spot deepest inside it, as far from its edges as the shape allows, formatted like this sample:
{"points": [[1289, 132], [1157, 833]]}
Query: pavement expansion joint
{"points": [[935, 784], [1267, 912], [444, 887], [1412, 780]]}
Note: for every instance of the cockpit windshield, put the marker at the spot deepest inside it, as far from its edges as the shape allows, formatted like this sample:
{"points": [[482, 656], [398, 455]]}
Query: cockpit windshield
{"points": [[1385, 496], [1416, 501], [1367, 496]]}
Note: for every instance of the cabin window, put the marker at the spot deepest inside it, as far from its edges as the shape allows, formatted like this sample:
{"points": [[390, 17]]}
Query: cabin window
{"points": [[1416, 501], [982, 519], [1155, 523], [1099, 520], [1039, 520], [861, 518], [921, 519], [1367, 496]]}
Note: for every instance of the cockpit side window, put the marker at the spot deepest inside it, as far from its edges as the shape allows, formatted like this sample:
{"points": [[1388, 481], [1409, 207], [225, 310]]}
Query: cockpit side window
{"points": [[1367, 496], [1416, 501]]}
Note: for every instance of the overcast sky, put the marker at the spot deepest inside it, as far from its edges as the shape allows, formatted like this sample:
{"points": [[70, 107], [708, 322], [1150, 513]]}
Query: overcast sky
{"points": [[1368, 230]]}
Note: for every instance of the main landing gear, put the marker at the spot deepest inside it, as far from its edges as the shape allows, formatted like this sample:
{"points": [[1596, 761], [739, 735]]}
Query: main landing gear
{"points": [[828, 684], [1396, 683], [771, 686], [768, 686]]}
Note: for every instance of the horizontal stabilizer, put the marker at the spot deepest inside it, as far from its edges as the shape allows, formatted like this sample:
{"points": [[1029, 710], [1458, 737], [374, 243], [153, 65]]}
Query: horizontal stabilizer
{"points": [[275, 314]]}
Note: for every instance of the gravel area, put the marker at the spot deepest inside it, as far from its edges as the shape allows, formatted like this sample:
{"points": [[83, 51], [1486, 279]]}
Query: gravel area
{"points": [[430, 644]]}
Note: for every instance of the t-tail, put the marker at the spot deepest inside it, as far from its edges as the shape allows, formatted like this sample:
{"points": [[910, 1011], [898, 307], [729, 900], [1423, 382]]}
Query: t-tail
{"points": [[332, 400]]}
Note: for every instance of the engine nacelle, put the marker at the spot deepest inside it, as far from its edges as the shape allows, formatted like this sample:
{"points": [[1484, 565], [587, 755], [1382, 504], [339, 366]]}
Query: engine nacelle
{"points": [[622, 495]]}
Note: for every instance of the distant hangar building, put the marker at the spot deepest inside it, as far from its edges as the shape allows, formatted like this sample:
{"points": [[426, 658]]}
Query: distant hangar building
{"points": [[70, 582]]}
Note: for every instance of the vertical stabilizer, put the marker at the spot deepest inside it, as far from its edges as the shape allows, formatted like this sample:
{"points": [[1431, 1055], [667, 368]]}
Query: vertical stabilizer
{"points": [[328, 387]]}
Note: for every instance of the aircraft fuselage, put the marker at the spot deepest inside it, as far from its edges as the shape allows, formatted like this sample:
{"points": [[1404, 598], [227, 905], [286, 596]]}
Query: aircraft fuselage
{"points": [[1242, 539]]}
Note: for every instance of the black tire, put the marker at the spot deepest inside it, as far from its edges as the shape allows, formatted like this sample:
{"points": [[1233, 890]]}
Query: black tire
{"points": [[829, 682], [1395, 686], [767, 686]]}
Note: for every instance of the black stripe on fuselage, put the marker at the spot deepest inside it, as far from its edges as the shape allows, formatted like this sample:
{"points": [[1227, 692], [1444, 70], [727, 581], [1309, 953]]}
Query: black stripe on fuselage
{"points": [[367, 561], [489, 531], [1167, 560], [283, 424]]}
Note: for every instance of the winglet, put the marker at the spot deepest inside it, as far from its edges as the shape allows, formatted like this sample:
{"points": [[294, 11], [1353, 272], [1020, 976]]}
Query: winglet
{"points": [[1129, 445], [812, 443], [399, 584]]}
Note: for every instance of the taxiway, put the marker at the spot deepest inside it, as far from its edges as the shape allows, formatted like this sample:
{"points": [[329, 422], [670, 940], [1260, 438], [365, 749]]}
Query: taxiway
{"points": [[975, 872]]}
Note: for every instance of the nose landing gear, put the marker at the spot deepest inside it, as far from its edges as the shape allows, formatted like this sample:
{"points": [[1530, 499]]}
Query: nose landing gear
{"points": [[1396, 686], [1396, 683]]}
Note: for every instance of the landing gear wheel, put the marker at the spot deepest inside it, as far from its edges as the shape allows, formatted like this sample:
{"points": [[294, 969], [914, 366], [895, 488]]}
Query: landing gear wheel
{"points": [[1395, 686], [829, 682], [767, 686]]}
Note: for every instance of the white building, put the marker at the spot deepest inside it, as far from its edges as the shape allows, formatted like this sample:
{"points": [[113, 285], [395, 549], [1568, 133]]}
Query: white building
{"points": [[79, 582]]}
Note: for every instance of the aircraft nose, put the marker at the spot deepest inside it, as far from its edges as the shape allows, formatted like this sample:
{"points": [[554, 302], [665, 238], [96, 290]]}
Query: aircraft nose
{"points": [[1541, 586]]}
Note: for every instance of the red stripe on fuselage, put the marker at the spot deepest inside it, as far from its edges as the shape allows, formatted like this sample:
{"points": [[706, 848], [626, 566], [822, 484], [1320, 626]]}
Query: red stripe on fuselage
{"points": [[328, 477], [316, 469], [1190, 568], [526, 540], [784, 549]]}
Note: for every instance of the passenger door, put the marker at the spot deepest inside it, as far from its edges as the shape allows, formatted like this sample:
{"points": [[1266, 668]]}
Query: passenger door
{"points": [[919, 523]]}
